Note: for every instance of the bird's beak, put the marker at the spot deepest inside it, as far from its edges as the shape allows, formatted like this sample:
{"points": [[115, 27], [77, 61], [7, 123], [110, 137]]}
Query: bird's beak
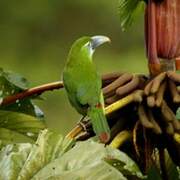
{"points": [[98, 40]]}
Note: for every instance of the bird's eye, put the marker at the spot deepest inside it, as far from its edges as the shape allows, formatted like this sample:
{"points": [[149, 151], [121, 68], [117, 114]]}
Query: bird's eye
{"points": [[91, 46]]}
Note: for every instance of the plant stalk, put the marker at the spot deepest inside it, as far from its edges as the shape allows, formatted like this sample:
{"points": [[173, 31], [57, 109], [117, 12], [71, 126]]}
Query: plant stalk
{"points": [[120, 138], [32, 91]]}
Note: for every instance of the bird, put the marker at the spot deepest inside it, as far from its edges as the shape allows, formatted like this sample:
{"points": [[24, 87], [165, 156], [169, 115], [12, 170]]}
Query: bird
{"points": [[83, 83]]}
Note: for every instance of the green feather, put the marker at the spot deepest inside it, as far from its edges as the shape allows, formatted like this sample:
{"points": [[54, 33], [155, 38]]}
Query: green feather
{"points": [[128, 11]]}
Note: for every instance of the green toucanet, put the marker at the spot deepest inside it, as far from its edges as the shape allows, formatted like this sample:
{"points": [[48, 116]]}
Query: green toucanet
{"points": [[83, 83]]}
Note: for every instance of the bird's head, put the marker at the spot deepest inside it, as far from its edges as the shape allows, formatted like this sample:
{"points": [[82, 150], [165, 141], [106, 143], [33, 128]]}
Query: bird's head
{"points": [[85, 46]]}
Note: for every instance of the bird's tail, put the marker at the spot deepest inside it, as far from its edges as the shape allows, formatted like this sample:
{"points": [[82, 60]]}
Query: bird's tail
{"points": [[99, 122]]}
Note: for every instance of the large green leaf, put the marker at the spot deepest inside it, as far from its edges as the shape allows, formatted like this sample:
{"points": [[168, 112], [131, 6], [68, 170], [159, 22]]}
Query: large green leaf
{"points": [[12, 83], [23, 160], [99, 170], [18, 127], [48, 147], [88, 160], [12, 158], [53, 157]]}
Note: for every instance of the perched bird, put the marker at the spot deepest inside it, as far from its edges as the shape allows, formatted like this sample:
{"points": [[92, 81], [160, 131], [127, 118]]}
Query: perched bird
{"points": [[83, 83]]}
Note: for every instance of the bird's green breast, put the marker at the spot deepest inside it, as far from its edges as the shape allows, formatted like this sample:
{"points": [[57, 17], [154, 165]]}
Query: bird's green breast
{"points": [[82, 81]]}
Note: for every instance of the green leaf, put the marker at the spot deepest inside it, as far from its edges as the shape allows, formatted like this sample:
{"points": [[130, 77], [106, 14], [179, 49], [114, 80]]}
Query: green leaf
{"points": [[9, 136], [172, 169], [48, 147], [178, 113], [25, 106], [128, 11], [88, 160], [19, 126], [153, 173], [52, 157], [173, 172], [99, 170], [16, 79], [12, 158], [120, 166], [12, 83], [22, 161]]}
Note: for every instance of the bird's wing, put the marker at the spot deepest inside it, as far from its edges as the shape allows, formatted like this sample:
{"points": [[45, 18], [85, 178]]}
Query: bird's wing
{"points": [[86, 84], [71, 89], [89, 89], [83, 86]]}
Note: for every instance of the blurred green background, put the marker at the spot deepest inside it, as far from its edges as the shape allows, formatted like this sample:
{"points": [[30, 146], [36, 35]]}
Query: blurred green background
{"points": [[35, 37]]}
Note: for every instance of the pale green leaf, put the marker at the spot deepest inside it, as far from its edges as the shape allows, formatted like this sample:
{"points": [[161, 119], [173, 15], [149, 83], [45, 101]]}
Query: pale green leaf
{"points": [[48, 147], [52, 157], [87, 160], [12, 158], [99, 170], [21, 161]]}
